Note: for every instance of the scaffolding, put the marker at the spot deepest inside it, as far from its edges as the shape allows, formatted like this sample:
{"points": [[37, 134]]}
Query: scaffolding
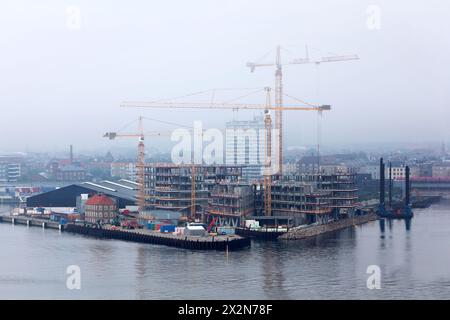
{"points": [[302, 201], [169, 186], [230, 202]]}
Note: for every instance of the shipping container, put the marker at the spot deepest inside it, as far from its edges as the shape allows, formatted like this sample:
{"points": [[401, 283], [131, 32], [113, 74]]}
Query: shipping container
{"points": [[225, 230], [167, 228], [195, 230]]}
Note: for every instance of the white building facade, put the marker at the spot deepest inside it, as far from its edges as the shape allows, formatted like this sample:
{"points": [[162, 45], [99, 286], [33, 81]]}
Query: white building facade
{"points": [[9, 171], [244, 145]]}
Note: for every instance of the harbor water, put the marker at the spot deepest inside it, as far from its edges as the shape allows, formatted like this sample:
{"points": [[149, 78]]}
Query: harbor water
{"points": [[414, 264]]}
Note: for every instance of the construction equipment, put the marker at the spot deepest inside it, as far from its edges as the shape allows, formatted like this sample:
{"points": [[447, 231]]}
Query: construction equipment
{"points": [[140, 164], [279, 88], [267, 107], [212, 224], [267, 185], [193, 181]]}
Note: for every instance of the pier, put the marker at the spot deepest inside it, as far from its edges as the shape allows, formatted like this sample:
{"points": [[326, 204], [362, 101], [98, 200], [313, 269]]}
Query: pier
{"points": [[221, 243], [263, 233], [31, 222], [308, 232]]}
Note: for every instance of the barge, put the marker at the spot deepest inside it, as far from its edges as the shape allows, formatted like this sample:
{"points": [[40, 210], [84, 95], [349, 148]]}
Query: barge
{"points": [[261, 233]]}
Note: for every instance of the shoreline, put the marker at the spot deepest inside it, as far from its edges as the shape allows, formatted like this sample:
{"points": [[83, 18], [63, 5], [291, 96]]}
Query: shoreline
{"points": [[218, 243], [303, 233]]}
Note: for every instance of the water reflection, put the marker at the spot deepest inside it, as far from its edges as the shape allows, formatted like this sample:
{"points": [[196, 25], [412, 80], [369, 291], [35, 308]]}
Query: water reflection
{"points": [[414, 264], [408, 224], [142, 257], [273, 272], [382, 224]]}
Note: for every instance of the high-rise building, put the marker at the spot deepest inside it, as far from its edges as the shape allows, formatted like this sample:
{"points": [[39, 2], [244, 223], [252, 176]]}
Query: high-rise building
{"points": [[245, 146]]}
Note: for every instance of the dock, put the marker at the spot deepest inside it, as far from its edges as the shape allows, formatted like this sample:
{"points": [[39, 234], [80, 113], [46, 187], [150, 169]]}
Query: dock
{"points": [[221, 243], [31, 222], [262, 234], [308, 232]]}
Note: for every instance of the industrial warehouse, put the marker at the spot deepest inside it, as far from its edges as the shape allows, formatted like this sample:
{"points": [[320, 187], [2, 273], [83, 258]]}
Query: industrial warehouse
{"points": [[122, 191]]}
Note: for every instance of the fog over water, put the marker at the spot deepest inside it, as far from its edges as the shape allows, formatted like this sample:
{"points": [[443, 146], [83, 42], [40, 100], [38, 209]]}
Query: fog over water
{"points": [[414, 265]]}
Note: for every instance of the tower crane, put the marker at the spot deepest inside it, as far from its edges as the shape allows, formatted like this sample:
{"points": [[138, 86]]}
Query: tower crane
{"points": [[267, 184], [279, 88], [140, 164], [267, 107]]}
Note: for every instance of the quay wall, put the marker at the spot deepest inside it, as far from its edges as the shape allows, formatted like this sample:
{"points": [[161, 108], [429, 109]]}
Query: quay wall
{"points": [[221, 244], [302, 233], [31, 222], [195, 243]]}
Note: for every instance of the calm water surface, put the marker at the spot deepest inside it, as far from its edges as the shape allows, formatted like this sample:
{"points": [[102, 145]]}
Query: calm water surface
{"points": [[414, 264]]}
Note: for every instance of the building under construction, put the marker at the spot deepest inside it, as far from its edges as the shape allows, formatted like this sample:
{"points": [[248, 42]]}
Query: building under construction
{"points": [[309, 198], [340, 185], [302, 201], [223, 196], [293, 202], [229, 202], [343, 191], [169, 186]]}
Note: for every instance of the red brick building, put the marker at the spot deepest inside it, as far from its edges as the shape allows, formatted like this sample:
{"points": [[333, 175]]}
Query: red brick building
{"points": [[100, 208]]}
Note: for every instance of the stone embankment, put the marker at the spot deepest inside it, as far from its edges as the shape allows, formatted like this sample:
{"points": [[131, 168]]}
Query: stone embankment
{"points": [[307, 232]]}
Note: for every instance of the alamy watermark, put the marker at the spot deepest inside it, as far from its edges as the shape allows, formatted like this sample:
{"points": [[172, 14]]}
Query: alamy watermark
{"points": [[374, 280], [73, 281], [240, 146], [373, 21], [73, 18]]}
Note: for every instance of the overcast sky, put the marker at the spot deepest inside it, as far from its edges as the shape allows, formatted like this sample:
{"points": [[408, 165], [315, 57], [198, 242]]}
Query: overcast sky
{"points": [[61, 85]]}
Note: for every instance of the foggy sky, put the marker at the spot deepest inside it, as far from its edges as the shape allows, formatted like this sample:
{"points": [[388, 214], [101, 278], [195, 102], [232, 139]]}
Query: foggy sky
{"points": [[61, 86]]}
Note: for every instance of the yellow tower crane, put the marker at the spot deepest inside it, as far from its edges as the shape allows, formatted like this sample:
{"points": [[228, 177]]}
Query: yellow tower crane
{"points": [[279, 89], [140, 164], [267, 107]]}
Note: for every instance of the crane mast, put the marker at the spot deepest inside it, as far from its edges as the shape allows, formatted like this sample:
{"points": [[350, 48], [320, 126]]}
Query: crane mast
{"points": [[279, 111], [140, 166], [140, 162], [279, 89], [140, 169], [193, 206], [267, 184]]}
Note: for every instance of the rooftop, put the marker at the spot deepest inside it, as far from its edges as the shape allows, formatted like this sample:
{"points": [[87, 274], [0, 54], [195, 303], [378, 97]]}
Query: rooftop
{"points": [[100, 199], [122, 188]]}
